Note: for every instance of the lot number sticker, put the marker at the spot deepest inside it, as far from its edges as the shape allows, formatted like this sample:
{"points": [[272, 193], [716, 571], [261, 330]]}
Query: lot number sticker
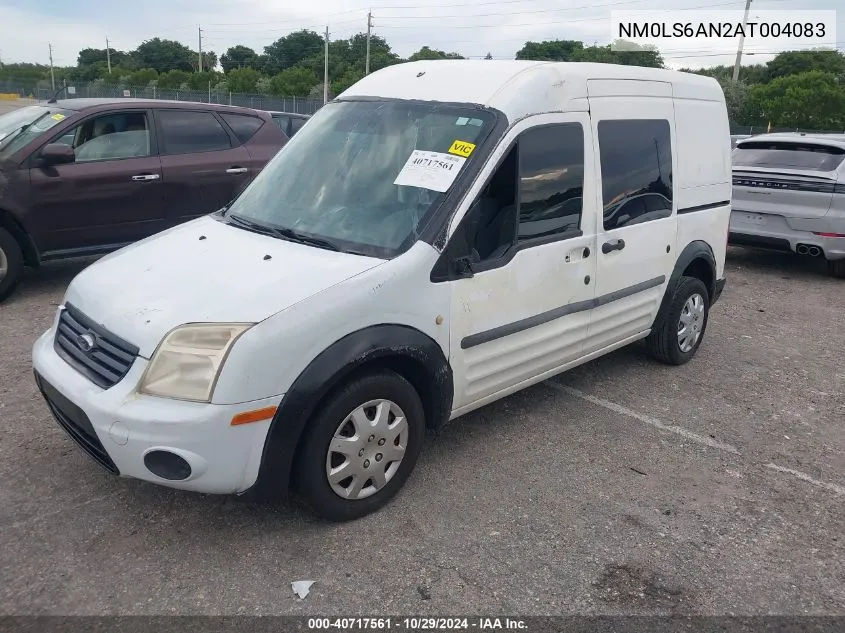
{"points": [[430, 170]]}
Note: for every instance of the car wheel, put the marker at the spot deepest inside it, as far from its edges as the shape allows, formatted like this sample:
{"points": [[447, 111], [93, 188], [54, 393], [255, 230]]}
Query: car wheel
{"points": [[679, 335], [11, 263], [836, 267], [361, 447]]}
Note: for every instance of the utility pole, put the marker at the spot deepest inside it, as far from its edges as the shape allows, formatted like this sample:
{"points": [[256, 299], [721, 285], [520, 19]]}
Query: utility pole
{"points": [[108, 55], [369, 29], [52, 77], [326, 71], [199, 29], [741, 40]]}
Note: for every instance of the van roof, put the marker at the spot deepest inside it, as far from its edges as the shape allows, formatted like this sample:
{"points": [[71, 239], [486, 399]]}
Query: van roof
{"points": [[518, 88]]}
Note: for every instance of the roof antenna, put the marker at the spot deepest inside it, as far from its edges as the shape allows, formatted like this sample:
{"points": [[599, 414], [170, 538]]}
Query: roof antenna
{"points": [[56, 94]]}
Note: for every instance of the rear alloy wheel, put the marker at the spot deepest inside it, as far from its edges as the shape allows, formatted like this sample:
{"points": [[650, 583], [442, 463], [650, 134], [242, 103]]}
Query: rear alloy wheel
{"points": [[678, 333], [11, 264], [836, 267], [359, 449]]}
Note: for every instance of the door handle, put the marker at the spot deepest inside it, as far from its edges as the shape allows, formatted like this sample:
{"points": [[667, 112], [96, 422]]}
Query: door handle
{"points": [[145, 177], [613, 245], [237, 170]]}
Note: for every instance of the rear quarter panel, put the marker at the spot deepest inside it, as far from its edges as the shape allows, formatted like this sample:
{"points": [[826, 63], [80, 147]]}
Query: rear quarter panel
{"points": [[265, 144], [704, 175]]}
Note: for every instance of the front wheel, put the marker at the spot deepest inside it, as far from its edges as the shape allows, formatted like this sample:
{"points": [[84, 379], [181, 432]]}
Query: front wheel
{"points": [[681, 330], [361, 447]]}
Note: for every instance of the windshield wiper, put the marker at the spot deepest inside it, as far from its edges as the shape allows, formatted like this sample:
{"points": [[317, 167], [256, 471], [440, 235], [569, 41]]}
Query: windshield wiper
{"points": [[282, 232]]}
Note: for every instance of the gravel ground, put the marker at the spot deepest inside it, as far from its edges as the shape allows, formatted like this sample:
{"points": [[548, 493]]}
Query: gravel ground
{"points": [[622, 486]]}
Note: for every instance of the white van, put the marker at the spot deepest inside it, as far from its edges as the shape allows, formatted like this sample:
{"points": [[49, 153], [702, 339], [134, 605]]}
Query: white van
{"points": [[443, 234]]}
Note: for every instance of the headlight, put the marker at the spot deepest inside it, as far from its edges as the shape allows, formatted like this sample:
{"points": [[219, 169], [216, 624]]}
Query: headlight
{"points": [[187, 362]]}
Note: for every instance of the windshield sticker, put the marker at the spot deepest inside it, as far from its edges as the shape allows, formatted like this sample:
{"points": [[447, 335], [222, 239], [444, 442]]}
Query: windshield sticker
{"points": [[461, 148], [57, 117], [462, 120], [430, 170]]}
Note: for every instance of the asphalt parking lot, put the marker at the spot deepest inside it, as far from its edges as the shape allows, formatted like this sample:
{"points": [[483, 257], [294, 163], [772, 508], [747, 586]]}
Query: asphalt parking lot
{"points": [[622, 486]]}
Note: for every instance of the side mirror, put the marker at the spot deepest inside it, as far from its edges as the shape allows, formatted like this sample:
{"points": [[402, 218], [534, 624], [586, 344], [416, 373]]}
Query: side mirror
{"points": [[57, 154]]}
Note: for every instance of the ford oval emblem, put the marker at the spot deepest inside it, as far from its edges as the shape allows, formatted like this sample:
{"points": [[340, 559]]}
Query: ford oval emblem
{"points": [[86, 342]]}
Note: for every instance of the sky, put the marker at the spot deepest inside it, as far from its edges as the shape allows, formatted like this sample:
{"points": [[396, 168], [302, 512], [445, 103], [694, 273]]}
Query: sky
{"points": [[470, 27]]}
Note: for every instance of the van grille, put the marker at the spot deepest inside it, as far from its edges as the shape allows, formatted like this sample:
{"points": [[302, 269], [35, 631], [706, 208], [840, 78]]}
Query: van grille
{"points": [[104, 358]]}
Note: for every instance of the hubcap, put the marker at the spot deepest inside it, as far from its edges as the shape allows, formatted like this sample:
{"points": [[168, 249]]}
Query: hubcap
{"points": [[4, 265], [691, 323], [366, 449]]}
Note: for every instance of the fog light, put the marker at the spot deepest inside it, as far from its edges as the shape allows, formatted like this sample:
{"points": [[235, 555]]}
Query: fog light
{"points": [[167, 465]]}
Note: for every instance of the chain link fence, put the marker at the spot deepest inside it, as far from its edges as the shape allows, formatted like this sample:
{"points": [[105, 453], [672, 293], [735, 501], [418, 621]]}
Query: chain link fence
{"points": [[37, 90]]}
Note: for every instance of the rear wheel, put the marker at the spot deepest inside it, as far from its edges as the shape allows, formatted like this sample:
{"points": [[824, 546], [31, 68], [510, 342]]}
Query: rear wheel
{"points": [[361, 447], [11, 263], [836, 267], [678, 337]]}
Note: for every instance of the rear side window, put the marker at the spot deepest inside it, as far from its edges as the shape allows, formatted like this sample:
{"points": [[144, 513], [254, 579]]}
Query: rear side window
{"points": [[789, 155], [551, 180], [188, 132], [636, 171], [282, 121], [242, 125], [296, 124]]}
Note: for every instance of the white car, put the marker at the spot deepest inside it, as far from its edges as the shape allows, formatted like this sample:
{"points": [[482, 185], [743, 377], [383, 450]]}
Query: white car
{"points": [[789, 195], [443, 234]]}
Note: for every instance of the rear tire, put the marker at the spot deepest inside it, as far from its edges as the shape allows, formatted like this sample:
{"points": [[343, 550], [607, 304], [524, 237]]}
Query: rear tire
{"points": [[836, 267], [360, 448], [689, 308], [11, 264]]}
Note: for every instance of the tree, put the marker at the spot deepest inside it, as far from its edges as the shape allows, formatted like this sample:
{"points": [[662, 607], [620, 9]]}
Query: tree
{"points": [[290, 50], [812, 100], [140, 78], [243, 80], [736, 99], [239, 57], [294, 82], [795, 62], [173, 79], [200, 81], [551, 51], [621, 52], [427, 53], [165, 55]]}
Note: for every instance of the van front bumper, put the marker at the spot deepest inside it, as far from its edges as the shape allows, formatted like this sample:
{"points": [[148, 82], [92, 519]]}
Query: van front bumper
{"points": [[191, 445]]}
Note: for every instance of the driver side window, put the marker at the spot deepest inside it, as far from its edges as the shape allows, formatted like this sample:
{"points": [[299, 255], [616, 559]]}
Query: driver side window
{"points": [[111, 136], [535, 195]]}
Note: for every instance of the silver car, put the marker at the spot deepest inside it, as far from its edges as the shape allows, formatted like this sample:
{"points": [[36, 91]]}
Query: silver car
{"points": [[789, 195]]}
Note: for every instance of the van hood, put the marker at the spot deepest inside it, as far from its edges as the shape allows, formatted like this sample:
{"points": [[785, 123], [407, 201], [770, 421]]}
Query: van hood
{"points": [[204, 271]]}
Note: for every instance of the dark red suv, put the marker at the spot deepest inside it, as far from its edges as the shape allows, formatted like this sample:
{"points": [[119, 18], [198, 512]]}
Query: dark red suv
{"points": [[87, 176]]}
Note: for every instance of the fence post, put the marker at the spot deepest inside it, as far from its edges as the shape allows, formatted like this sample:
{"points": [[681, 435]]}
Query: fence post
{"points": [[230, 97], [294, 104]]}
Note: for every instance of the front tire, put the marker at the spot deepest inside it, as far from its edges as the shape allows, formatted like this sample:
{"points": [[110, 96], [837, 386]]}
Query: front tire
{"points": [[11, 264], [836, 267], [679, 334], [360, 448]]}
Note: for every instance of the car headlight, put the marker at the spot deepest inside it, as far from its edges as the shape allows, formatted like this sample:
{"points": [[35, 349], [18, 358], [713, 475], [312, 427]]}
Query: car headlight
{"points": [[187, 362]]}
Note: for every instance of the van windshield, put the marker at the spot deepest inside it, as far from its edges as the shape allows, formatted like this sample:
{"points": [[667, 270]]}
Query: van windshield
{"points": [[19, 127], [364, 175]]}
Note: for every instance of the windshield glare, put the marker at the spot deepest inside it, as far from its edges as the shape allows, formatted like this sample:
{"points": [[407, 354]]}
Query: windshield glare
{"points": [[335, 179], [19, 127]]}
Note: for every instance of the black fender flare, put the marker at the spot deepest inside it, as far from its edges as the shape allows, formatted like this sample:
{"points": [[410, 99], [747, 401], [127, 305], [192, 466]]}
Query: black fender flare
{"points": [[697, 249], [386, 343]]}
